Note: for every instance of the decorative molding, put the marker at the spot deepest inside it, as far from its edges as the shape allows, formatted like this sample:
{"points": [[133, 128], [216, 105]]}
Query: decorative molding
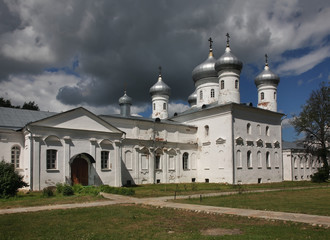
{"points": [[220, 141]]}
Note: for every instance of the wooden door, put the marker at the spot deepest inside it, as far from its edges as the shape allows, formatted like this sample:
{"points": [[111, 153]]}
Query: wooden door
{"points": [[79, 171]]}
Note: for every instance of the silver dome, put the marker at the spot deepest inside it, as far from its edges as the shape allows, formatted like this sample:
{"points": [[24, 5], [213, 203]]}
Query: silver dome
{"points": [[228, 61], [205, 69], [160, 88], [125, 99], [267, 77], [192, 99]]}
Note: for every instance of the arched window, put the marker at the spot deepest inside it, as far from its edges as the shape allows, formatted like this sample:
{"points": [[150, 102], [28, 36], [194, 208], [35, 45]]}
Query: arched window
{"points": [[222, 84], [212, 93], [267, 160], [267, 131], [236, 84], [239, 159], [15, 153], [295, 163], [259, 129], [128, 160], [277, 160], [262, 96], [157, 162], [248, 128], [164, 106], [185, 157], [105, 159], [206, 127], [154, 106], [201, 95], [259, 159], [249, 160], [51, 159], [274, 95]]}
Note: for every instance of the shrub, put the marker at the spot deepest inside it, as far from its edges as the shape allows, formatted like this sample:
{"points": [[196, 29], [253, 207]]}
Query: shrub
{"points": [[114, 190], [59, 188], [67, 190], [89, 190], [10, 180], [77, 188], [322, 175], [48, 192]]}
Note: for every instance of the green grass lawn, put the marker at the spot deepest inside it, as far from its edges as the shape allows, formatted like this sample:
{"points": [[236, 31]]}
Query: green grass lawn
{"points": [[158, 190], [309, 201], [142, 222], [36, 199]]}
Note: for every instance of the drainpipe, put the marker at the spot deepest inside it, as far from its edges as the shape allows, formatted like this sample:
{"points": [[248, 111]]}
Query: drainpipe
{"points": [[31, 158], [233, 143]]}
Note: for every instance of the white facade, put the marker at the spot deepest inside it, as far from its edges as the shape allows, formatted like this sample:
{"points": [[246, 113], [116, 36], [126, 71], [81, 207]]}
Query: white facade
{"points": [[220, 140]]}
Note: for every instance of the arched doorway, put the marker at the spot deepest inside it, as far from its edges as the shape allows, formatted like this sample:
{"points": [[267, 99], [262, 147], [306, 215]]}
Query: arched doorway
{"points": [[80, 168]]}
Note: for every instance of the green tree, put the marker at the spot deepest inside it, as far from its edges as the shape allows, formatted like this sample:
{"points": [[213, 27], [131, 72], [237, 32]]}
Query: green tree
{"points": [[313, 122], [31, 106], [10, 180]]}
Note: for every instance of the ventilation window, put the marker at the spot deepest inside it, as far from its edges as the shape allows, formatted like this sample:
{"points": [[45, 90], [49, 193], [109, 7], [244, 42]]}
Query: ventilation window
{"points": [[164, 106], [236, 84], [222, 84], [262, 96], [201, 95]]}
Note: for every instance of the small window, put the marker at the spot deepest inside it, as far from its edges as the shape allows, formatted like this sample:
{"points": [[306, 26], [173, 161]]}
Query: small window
{"points": [[249, 160], [262, 96], [295, 164], [185, 157], [154, 106], [207, 129], [259, 129], [51, 158], [201, 95], [267, 131], [212, 93], [15, 154], [248, 128], [275, 95], [164, 106], [157, 162], [104, 159], [236, 84], [222, 83], [267, 160]]}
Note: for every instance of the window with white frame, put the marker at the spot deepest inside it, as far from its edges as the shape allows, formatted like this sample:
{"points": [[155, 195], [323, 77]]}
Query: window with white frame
{"points": [[105, 160], [249, 159], [144, 162], [15, 154], [51, 158], [128, 160], [185, 158], [171, 162]]}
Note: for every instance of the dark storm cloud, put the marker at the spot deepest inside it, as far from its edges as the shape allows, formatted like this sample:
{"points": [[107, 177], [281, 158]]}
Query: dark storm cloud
{"points": [[120, 44]]}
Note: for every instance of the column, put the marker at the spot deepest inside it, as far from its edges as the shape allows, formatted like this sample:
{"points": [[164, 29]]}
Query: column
{"points": [[117, 163], [152, 165]]}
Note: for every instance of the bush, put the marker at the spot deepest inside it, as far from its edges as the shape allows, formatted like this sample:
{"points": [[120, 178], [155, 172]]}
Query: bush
{"points": [[59, 188], [114, 190], [322, 175], [77, 188], [67, 190], [10, 180], [89, 190], [48, 192]]}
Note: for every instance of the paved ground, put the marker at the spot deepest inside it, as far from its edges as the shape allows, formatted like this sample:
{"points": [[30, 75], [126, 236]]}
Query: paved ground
{"points": [[164, 202]]}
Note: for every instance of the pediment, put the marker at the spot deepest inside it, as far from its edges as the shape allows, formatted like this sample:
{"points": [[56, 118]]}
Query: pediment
{"points": [[77, 119]]}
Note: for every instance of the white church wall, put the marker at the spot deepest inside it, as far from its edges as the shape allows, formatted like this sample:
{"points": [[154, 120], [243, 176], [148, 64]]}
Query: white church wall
{"points": [[257, 144]]}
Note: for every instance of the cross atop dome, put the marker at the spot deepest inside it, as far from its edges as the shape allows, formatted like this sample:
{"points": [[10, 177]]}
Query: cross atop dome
{"points": [[211, 41], [160, 70], [228, 37], [266, 60]]}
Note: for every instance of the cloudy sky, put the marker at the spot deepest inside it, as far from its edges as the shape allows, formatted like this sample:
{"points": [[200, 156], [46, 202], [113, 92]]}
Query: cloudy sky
{"points": [[64, 54]]}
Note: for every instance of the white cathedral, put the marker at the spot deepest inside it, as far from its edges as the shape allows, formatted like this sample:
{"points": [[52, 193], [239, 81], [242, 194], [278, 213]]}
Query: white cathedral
{"points": [[218, 139]]}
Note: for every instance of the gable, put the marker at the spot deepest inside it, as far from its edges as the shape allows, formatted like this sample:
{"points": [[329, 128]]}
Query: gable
{"points": [[77, 119]]}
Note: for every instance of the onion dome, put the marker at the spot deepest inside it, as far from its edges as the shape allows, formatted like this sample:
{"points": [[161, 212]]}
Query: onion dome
{"points": [[205, 69], [192, 99], [160, 88], [228, 60], [267, 76], [125, 99]]}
